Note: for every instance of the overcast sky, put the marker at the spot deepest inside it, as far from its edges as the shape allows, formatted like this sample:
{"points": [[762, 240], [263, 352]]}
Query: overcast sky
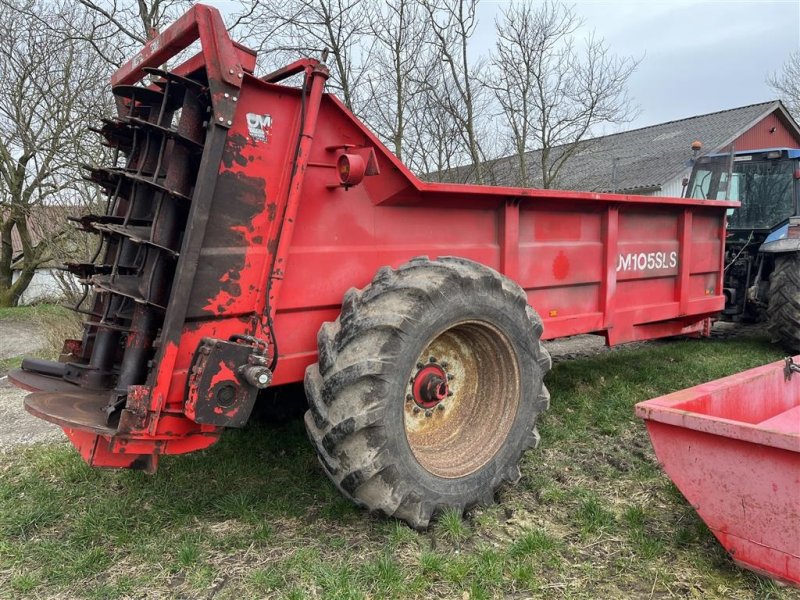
{"points": [[697, 57]]}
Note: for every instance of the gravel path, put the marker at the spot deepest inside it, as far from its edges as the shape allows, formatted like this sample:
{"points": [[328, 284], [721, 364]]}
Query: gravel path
{"points": [[17, 426], [18, 338]]}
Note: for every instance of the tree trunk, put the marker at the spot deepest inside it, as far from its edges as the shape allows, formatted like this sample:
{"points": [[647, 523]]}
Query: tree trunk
{"points": [[11, 295], [6, 252]]}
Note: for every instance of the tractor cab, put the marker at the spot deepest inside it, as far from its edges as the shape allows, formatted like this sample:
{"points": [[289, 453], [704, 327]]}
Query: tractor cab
{"points": [[767, 183], [764, 181]]}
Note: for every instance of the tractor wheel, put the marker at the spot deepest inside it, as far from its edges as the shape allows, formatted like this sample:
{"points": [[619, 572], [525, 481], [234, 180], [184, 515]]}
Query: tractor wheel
{"points": [[427, 389], [783, 311]]}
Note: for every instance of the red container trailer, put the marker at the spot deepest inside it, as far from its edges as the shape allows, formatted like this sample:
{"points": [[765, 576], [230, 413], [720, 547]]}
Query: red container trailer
{"points": [[732, 447], [259, 234]]}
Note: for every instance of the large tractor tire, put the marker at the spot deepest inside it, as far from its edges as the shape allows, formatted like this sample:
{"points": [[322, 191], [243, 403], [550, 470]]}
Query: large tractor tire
{"points": [[783, 310], [427, 389]]}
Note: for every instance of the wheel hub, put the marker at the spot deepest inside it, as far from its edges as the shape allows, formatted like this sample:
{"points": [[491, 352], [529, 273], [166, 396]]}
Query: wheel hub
{"points": [[430, 385]]}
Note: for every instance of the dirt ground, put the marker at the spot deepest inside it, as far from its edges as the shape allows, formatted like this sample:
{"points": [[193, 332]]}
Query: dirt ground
{"points": [[580, 346], [20, 339]]}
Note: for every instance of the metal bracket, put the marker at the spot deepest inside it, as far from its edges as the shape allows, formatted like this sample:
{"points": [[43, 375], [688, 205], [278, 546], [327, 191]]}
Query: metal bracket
{"points": [[224, 381], [789, 368], [255, 372]]}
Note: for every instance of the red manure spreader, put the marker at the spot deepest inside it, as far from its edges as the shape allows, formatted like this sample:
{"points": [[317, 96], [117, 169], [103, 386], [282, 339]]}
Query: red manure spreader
{"points": [[259, 234]]}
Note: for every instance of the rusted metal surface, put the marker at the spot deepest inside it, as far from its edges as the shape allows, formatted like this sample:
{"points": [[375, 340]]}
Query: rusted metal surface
{"points": [[461, 424], [239, 206], [78, 409], [732, 447], [28, 378]]}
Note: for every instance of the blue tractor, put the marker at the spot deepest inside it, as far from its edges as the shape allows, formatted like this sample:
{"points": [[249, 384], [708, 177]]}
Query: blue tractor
{"points": [[762, 253]]}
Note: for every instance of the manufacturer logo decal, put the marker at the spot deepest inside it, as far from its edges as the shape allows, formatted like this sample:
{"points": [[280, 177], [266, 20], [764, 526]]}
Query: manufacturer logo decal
{"points": [[259, 126], [647, 261]]}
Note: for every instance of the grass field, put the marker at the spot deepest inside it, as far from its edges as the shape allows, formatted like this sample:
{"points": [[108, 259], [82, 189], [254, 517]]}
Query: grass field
{"points": [[593, 517]]}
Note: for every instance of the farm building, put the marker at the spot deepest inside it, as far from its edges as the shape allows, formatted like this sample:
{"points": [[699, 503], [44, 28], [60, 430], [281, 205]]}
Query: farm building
{"points": [[653, 160]]}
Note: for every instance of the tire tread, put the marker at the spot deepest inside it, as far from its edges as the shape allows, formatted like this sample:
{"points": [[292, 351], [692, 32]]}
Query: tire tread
{"points": [[344, 422]]}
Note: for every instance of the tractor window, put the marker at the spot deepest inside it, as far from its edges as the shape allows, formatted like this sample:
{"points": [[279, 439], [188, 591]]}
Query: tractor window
{"points": [[701, 184], [723, 193], [710, 182], [765, 190], [735, 187]]}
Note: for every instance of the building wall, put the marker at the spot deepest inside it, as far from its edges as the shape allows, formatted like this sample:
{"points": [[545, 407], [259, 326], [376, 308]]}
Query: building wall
{"points": [[674, 187], [759, 136], [45, 287]]}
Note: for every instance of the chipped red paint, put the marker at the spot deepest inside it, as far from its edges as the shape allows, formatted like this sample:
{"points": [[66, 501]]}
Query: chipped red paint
{"points": [[96, 451], [273, 239], [72, 347], [217, 395]]}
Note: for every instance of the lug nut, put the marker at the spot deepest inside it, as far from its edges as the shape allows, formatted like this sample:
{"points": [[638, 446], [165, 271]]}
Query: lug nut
{"points": [[441, 405], [420, 365], [450, 376], [409, 397], [432, 359], [417, 409], [445, 364], [449, 392], [428, 413]]}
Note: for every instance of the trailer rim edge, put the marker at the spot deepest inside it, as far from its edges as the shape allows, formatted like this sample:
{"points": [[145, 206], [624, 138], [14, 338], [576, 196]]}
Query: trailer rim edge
{"points": [[462, 427]]}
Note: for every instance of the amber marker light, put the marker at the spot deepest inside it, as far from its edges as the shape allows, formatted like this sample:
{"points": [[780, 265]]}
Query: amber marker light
{"points": [[351, 169]]}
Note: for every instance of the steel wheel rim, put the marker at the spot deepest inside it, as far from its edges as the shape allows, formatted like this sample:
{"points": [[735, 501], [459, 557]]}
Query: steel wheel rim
{"points": [[455, 435]]}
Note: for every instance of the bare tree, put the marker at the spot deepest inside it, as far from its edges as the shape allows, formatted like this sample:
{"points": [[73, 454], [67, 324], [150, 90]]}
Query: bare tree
{"points": [[137, 20], [787, 83], [521, 42], [453, 23], [397, 73], [554, 93], [130, 23], [114, 29], [438, 146], [294, 28], [50, 93]]}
